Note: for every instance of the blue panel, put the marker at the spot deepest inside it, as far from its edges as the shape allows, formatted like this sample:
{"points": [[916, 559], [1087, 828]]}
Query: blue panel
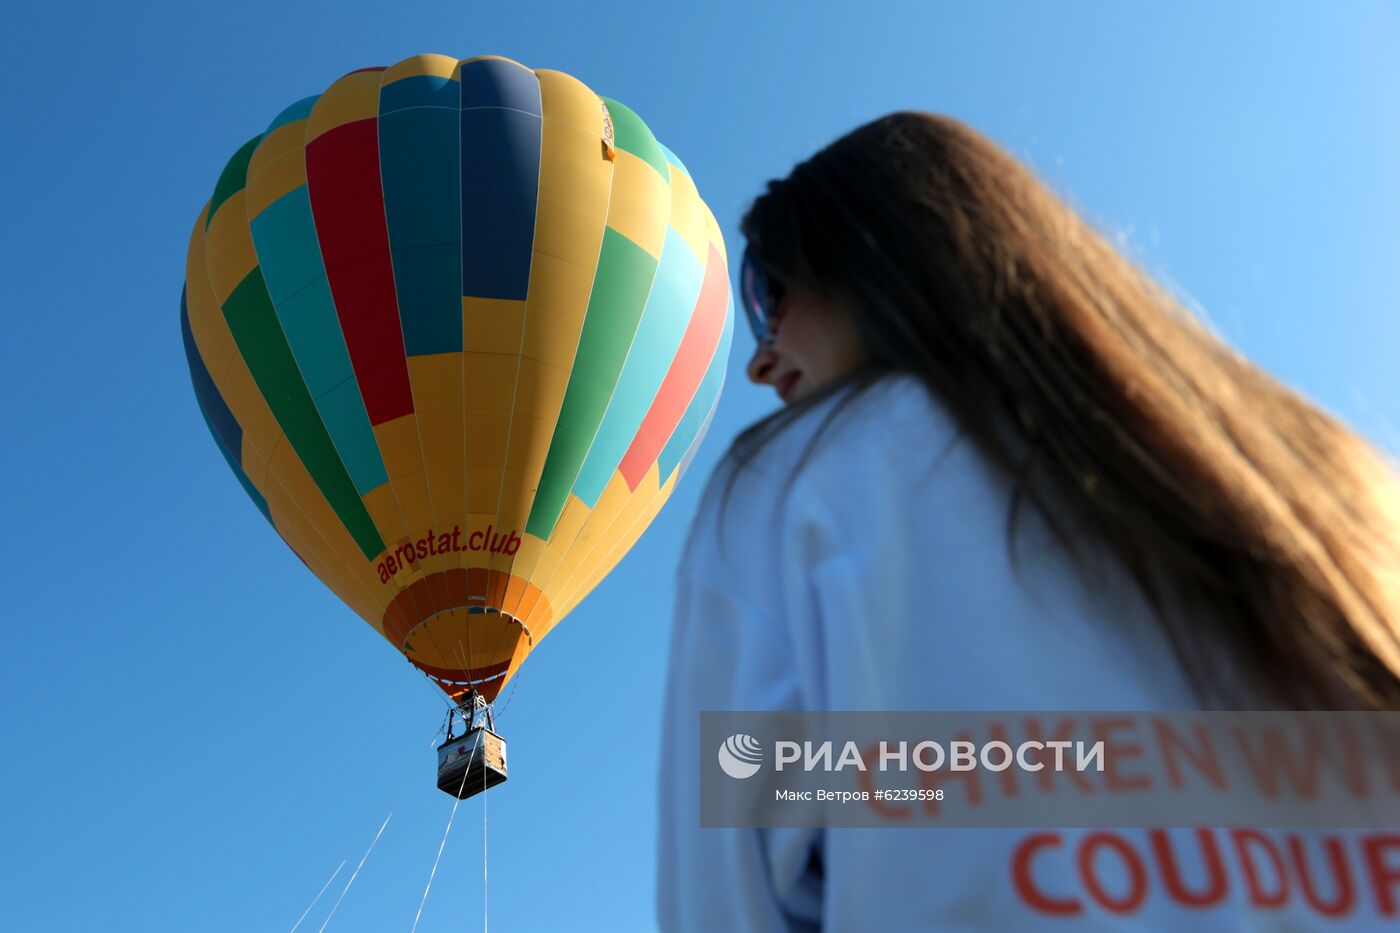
{"points": [[419, 159], [227, 433], [500, 151], [496, 83], [663, 324], [221, 420]]}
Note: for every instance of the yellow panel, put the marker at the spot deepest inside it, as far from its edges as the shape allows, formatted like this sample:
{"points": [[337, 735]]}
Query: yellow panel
{"points": [[287, 138], [443, 438], [229, 248], [490, 383], [531, 549], [486, 442], [517, 495], [566, 98], [541, 387], [537, 565], [561, 286], [688, 214], [353, 97], [287, 471], [492, 58], [492, 325], [210, 331], [449, 493], [603, 530], [592, 573], [565, 232], [250, 410], [437, 381], [398, 444], [415, 501], [529, 442], [436, 66], [716, 237], [278, 177], [254, 465], [383, 507], [610, 504], [552, 337], [483, 489], [641, 203]]}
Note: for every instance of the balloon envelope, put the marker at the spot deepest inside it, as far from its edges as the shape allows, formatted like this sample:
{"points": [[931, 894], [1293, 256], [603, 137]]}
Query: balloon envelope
{"points": [[457, 328]]}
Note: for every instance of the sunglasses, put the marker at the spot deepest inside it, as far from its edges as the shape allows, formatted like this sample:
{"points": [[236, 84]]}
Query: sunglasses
{"points": [[760, 295]]}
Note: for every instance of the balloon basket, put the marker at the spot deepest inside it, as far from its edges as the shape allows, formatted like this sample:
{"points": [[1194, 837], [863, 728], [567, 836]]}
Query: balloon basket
{"points": [[475, 760]]}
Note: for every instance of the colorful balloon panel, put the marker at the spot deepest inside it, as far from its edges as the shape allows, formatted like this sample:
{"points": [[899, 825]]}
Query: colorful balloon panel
{"points": [[457, 327]]}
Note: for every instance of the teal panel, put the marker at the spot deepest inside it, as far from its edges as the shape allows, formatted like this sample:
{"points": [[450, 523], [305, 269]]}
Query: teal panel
{"points": [[668, 311], [289, 254], [691, 428], [621, 285], [363, 461], [285, 237], [263, 346], [298, 111]]}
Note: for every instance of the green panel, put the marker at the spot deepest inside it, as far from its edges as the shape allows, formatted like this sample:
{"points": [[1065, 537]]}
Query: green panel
{"points": [[620, 289], [233, 178], [630, 134], [264, 348]]}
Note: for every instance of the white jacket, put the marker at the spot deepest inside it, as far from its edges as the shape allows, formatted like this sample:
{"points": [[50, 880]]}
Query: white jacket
{"points": [[879, 578]]}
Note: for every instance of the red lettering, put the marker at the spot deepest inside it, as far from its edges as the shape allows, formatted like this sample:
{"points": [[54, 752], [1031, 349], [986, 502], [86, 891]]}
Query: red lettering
{"points": [[1137, 873], [1115, 752], [1276, 757], [1171, 874], [1025, 883], [1383, 875], [1344, 900], [1245, 839], [1204, 758]]}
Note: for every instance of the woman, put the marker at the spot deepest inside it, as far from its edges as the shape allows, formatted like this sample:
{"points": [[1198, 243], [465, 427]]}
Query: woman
{"points": [[1011, 473]]}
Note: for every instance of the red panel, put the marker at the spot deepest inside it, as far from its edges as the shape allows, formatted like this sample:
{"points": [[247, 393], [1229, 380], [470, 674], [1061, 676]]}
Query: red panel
{"points": [[347, 203], [682, 380]]}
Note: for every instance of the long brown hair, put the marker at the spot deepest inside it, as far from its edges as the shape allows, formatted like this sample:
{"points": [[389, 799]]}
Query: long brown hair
{"points": [[1264, 533]]}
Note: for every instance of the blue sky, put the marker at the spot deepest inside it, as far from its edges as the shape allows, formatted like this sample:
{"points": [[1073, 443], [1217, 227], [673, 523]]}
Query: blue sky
{"points": [[196, 733]]}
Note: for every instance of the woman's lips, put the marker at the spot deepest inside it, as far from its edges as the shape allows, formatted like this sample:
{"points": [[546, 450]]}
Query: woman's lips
{"points": [[785, 384]]}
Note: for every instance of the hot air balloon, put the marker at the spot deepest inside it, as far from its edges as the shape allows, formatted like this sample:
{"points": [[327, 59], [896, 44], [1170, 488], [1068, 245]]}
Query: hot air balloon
{"points": [[457, 327]]}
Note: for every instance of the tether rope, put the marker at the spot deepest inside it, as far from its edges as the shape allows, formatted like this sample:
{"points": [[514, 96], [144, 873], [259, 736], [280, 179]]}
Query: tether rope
{"points": [[318, 896], [393, 801], [476, 747]]}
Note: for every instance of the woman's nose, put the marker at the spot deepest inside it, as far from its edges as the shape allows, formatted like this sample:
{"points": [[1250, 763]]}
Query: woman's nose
{"points": [[761, 364]]}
